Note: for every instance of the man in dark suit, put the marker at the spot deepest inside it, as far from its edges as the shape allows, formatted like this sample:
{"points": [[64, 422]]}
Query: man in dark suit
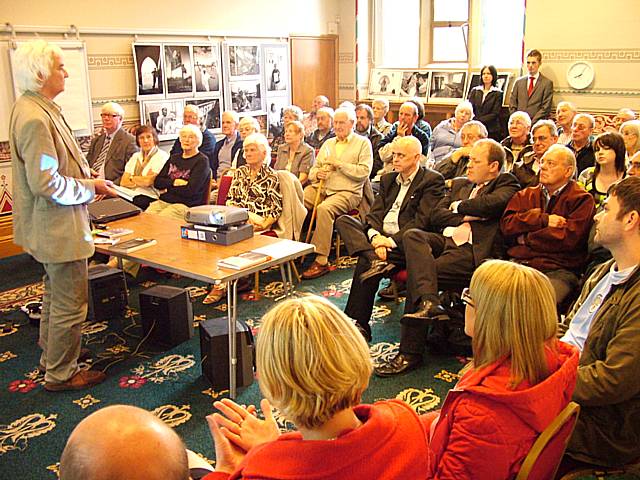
{"points": [[406, 199], [532, 93], [470, 218], [110, 151]]}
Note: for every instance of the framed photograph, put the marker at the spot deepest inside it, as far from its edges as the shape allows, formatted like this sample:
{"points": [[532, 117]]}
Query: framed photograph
{"points": [[210, 112], [206, 70], [275, 105], [447, 87], [384, 83], [148, 61], [246, 96], [178, 71], [163, 115], [414, 84], [502, 83], [276, 66], [244, 60]]}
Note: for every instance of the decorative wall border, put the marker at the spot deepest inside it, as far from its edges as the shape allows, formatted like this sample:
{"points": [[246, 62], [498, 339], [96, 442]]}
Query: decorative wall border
{"points": [[346, 57], [346, 86], [622, 92], [97, 102], [600, 55], [110, 61]]}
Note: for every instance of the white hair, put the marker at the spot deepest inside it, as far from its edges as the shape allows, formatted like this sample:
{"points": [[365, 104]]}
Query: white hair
{"points": [[33, 62], [192, 129], [523, 115], [260, 141], [328, 110], [251, 120], [191, 108], [349, 112], [295, 110], [234, 115], [113, 107], [383, 101], [464, 105]]}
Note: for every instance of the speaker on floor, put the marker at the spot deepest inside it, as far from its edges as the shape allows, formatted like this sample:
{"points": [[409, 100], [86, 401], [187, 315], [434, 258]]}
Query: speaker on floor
{"points": [[167, 315], [214, 351], [107, 293]]}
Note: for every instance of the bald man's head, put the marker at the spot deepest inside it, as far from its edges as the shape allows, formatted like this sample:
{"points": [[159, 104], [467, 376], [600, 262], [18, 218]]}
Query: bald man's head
{"points": [[123, 442]]}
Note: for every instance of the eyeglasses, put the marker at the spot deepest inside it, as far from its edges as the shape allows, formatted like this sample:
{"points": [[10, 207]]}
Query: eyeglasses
{"points": [[466, 298], [107, 115]]}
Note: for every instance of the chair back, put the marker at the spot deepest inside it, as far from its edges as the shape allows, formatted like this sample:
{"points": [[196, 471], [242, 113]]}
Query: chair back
{"points": [[289, 225], [546, 453], [223, 189], [206, 198]]}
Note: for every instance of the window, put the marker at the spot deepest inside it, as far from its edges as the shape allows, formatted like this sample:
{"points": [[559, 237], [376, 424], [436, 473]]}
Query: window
{"points": [[397, 33], [502, 31], [450, 31]]}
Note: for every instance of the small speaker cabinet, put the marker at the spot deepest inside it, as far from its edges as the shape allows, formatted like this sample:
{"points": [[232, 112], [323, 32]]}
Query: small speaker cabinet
{"points": [[214, 351], [167, 315], [107, 293]]}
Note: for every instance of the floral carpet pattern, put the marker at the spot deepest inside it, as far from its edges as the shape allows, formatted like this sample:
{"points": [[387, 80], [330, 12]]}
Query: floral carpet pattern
{"points": [[34, 423]]}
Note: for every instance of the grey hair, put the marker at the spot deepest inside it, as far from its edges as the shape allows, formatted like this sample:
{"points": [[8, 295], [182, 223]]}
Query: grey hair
{"points": [[33, 62]]}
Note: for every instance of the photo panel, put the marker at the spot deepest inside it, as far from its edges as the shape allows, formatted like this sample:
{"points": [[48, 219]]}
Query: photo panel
{"points": [[414, 84], [207, 74], [246, 96], [384, 83], [149, 79], [178, 71], [275, 106], [276, 65], [210, 112], [163, 115], [244, 61], [447, 86]]}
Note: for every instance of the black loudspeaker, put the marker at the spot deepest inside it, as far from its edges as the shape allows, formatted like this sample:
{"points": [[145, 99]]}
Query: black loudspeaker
{"points": [[214, 351], [167, 315], [107, 293]]}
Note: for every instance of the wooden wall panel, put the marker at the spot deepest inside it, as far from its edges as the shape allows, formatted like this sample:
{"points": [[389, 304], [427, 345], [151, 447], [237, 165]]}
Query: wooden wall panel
{"points": [[314, 69], [7, 247]]}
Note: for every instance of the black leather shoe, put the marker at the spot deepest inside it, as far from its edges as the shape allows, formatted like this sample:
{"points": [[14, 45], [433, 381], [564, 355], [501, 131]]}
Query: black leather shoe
{"points": [[365, 331], [377, 270], [387, 295], [403, 362], [429, 310]]}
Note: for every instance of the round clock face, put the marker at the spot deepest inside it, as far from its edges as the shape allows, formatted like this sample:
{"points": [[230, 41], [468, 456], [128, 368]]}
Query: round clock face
{"points": [[580, 75]]}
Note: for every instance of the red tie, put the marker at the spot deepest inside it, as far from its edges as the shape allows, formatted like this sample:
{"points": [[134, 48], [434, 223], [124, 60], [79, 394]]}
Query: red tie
{"points": [[530, 89]]}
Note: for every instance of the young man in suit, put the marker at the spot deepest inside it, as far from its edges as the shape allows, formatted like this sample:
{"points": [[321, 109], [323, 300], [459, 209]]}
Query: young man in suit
{"points": [[470, 218], [405, 201], [51, 186], [532, 93], [110, 151]]}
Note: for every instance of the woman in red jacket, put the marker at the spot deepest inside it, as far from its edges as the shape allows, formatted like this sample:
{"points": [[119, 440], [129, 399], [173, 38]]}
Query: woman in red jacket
{"points": [[314, 365], [520, 379]]}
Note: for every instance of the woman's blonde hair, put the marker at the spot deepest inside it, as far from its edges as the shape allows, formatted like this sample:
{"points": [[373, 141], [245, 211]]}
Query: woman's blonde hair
{"points": [[515, 317], [311, 360]]}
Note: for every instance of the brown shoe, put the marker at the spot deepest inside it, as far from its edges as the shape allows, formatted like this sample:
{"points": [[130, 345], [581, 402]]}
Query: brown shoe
{"points": [[315, 271], [82, 379]]}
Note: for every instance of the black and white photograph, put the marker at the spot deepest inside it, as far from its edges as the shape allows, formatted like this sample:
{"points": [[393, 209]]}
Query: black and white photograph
{"points": [[209, 111], [244, 60], [246, 96], [165, 116], [178, 70], [502, 82], [275, 105], [414, 84], [148, 61], [384, 83], [276, 68], [447, 87], [206, 69]]}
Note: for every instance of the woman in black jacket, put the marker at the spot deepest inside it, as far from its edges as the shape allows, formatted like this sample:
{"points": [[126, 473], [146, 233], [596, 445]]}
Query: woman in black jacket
{"points": [[486, 99]]}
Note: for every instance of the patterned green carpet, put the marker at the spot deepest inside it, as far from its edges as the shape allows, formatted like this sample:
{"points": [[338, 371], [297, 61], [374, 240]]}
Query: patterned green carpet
{"points": [[34, 423]]}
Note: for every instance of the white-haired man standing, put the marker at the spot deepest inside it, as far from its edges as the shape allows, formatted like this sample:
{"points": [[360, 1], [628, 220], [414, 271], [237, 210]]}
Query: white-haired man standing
{"points": [[109, 151], [51, 186]]}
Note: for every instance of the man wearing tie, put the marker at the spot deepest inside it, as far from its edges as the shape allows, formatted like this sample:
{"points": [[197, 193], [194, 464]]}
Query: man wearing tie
{"points": [[532, 93], [110, 151], [469, 217]]}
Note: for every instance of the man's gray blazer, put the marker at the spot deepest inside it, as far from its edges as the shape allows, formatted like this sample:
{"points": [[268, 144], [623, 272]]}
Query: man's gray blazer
{"points": [[123, 145], [538, 105]]}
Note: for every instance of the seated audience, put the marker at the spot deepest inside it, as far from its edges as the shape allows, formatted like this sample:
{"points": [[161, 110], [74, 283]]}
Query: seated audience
{"points": [[565, 111], [406, 125], [630, 131], [547, 226], [364, 127], [324, 131], [313, 366], [142, 168], [405, 201], [123, 441], [469, 216], [226, 148], [580, 143], [455, 164], [292, 113], [191, 116], [486, 99], [380, 109], [109, 151], [623, 115], [310, 118], [604, 324], [446, 135], [527, 170], [520, 378], [518, 143], [295, 155], [337, 184], [246, 127], [609, 168]]}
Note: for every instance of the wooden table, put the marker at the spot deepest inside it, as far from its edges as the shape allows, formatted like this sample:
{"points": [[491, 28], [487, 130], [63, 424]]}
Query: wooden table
{"points": [[199, 260]]}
